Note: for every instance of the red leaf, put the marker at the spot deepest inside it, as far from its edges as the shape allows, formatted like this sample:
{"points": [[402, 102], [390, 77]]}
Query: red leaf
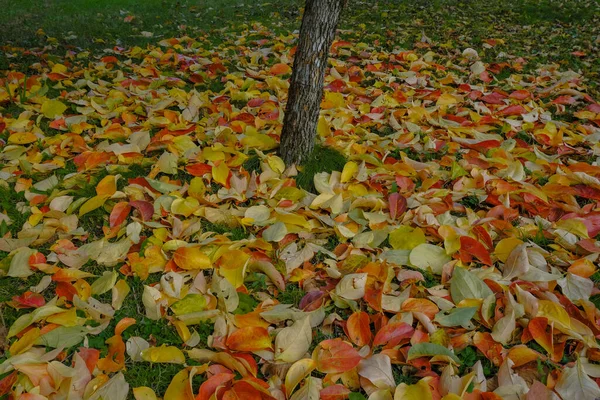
{"points": [[335, 392], [90, 356], [520, 94], [472, 247], [199, 169], [493, 98], [393, 333], [119, 213], [398, 205], [145, 208], [512, 110], [566, 100], [7, 383], [29, 300]]}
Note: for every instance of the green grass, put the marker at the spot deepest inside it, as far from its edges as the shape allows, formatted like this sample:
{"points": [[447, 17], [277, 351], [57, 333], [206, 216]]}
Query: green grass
{"points": [[9, 200], [543, 31], [322, 159]]}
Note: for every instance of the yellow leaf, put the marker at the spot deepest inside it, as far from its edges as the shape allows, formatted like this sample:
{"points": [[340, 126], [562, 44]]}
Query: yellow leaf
{"points": [[220, 173], [333, 100], [451, 396], [555, 313], [297, 372], [191, 258], [182, 330], [451, 239], [25, 343], [197, 188], [350, 169], [406, 238], [323, 129], [505, 247], [67, 318], [119, 292], [185, 207], [574, 226], [53, 108], [144, 393], [59, 68], [92, 204], [418, 391], [259, 141], [22, 138], [180, 388], [107, 186], [232, 266], [446, 99], [163, 354], [293, 219], [276, 164]]}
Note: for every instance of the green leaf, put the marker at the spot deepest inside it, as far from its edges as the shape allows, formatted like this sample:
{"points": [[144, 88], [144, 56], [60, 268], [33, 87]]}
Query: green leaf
{"points": [[430, 350], [189, 304], [456, 316], [467, 285], [105, 283]]}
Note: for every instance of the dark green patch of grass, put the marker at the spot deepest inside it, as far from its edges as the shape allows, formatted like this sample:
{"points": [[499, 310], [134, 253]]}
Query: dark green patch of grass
{"points": [[540, 239], [256, 282], [469, 356], [525, 137], [471, 202], [93, 222], [237, 233], [135, 171], [252, 164], [322, 159], [596, 300], [292, 295], [8, 204], [422, 156], [399, 377], [431, 280], [155, 376]]}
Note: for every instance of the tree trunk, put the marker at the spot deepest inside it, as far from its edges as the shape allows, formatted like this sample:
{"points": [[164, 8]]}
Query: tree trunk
{"points": [[306, 84]]}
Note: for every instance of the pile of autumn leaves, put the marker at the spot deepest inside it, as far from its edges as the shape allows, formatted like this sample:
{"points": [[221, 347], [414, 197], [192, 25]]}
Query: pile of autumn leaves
{"points": [[464, 218]]}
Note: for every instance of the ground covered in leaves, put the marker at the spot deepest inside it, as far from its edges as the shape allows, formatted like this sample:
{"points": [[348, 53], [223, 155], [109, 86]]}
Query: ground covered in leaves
{"points": [[440, 243]]}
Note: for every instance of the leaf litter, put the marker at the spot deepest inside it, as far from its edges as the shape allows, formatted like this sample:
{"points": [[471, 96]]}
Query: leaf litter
{"points": [[451, 254]]}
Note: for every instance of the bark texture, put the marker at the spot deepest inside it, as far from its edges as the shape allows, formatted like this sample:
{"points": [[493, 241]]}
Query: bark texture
{"points": [[306, 84]]}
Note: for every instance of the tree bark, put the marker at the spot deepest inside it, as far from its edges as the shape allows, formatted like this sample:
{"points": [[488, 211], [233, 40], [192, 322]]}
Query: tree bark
{"points": [[306, 84]]}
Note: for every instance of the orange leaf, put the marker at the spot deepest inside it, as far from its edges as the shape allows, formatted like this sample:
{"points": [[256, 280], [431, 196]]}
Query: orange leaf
{"points": [[424, 306], [119, 213], [124, 324], [210, 386], [191, 258], [280, 69], [251, 338], [115, 359], [107, 186], [335, 356], [542, 333], [358, 328]]}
